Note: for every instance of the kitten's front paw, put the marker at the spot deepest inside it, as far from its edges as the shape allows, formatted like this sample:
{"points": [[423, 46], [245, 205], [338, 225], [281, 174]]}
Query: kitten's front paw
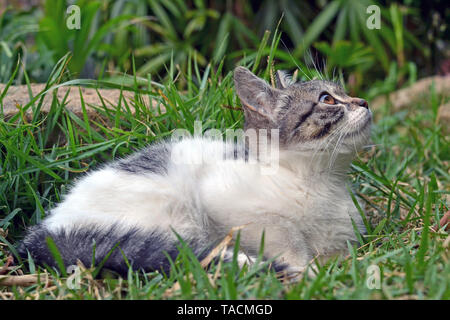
{"points": [[242, 258], [293, 273], [296, 273]]}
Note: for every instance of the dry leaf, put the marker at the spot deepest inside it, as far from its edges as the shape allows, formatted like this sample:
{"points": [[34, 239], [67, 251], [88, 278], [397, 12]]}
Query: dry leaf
{"points": [[445, 220]]}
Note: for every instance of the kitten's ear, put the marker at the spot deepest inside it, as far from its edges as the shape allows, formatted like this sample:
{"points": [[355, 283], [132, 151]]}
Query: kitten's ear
{"points": [[284, 79], [256, 94]]}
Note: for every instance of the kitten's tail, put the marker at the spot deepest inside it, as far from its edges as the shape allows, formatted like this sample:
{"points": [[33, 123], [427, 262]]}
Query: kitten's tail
{"points": [[146, 250]]}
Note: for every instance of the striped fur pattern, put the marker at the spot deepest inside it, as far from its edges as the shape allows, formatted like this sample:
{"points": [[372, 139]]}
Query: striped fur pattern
{"points": [[304, 208]]}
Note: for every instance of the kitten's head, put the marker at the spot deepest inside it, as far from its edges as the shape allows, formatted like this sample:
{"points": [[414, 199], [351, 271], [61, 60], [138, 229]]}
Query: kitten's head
{"points": [[313, 115]]}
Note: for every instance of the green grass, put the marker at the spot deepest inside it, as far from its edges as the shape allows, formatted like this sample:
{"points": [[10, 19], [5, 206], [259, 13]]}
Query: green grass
{"points": [[403, 179]]}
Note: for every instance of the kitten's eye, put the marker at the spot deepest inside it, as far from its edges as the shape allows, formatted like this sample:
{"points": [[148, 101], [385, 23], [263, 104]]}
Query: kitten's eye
{"points": [[326, 98]]}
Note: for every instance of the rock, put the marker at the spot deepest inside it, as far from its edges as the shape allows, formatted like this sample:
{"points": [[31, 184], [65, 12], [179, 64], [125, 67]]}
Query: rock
{"points": [[444, 117], [403, 98], [19, 96]]}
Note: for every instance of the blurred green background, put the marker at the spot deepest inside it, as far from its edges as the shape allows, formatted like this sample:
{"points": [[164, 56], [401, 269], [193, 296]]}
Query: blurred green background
{"points": [[118, 37]]}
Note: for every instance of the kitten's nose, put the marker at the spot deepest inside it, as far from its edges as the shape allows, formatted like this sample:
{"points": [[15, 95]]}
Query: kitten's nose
{"points": [[363, 103]]}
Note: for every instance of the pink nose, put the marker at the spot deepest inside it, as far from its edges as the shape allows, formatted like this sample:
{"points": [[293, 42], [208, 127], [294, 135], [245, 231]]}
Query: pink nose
{"points": [[363, 103], [360, 102]]}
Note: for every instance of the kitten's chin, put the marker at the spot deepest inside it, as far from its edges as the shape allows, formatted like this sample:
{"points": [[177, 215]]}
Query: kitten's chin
{"points": [[356, 140], [359, 126]]}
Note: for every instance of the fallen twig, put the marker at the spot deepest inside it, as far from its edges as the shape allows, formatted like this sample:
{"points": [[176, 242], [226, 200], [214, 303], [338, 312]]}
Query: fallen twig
{"points": [[21, 281], [220, 248], [5, 268], [224, 243]]}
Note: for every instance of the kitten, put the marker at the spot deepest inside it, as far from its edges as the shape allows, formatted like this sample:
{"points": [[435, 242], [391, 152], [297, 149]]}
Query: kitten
{"points": [[303, 207]]}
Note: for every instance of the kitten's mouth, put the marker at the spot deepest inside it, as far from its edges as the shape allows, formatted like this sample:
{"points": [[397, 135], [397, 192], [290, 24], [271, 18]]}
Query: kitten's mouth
{"points": [[362, 126]]}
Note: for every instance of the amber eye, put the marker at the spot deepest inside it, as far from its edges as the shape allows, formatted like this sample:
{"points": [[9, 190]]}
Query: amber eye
{"points": [[326, 98]]}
